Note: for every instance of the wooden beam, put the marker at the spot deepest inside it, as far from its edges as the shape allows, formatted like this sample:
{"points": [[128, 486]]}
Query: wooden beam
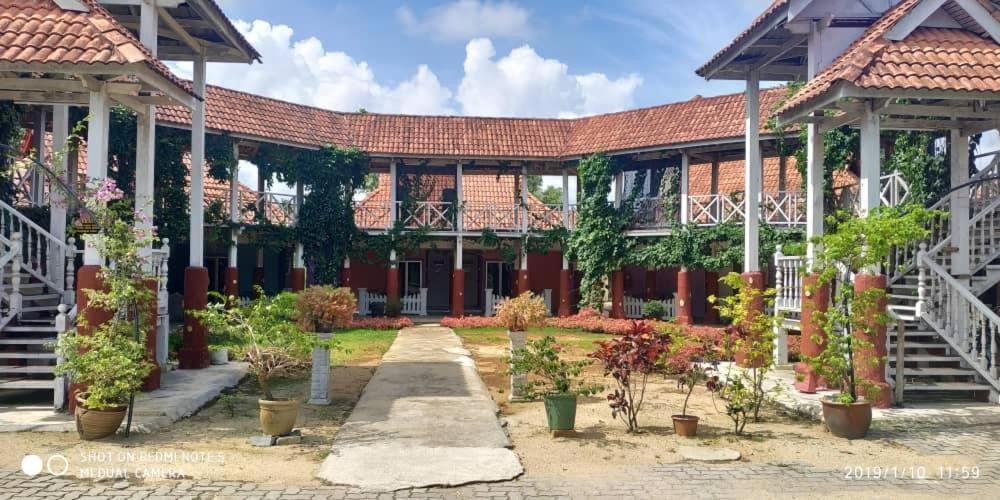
{"points": [[181, 32], [42, 97], [923, 110], [774, 55], [982, 17], [914, 19]]}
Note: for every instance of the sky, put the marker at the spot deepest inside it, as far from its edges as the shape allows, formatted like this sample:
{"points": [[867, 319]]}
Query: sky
{"points": [[554, 58]]}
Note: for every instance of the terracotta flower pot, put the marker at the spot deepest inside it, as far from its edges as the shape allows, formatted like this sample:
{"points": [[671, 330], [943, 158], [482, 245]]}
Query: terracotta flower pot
{"points": [[97, 424], [685, 425], [849, 421], [277, 418]]}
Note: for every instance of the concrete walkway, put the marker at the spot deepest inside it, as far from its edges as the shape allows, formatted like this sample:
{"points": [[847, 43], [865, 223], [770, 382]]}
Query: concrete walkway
{"points": [[425, 419]]}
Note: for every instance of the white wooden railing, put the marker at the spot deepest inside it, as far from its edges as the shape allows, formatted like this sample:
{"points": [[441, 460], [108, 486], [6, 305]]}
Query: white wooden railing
{"points": [[715, 209], [11, 295], [442, 216], [414, 304], [788, 282], [785, 208], [653, 213], [635, 307], [970, 327], [42, 254], [437, 215]]}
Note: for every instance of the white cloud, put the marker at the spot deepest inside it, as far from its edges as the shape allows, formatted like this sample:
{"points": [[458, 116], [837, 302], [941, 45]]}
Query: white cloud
{"points": [[465, 19], [303, 71], [523, 83]]}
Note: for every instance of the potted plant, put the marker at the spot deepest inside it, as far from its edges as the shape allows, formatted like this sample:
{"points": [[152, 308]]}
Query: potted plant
{"points": [[554, 382], [323, 308], [274, 347], [687, 425], [110, 359], [854, 326]]}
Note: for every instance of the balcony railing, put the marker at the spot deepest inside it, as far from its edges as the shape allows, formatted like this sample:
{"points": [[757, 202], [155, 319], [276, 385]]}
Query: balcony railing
{"points": [[475, 217], [716, 209], [654, 213], [264, 207]]}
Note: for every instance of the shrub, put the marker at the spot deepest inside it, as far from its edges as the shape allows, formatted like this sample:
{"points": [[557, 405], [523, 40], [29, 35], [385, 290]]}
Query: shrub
{"points": [[590, 320], [322, 308], [555, 375], [382, 323], [654, 309], [630, 360], [471, 322], [689, 343], [521, 312]]}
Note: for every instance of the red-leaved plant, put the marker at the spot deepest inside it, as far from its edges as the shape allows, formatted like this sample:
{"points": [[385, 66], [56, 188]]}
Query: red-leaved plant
{"points": [[630, 360]]}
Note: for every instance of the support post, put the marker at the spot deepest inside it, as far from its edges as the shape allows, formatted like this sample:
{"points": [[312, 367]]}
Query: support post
{"points": [[37, 177], [392, 281], [298, 278], [815, 303], [650, 284], [97, 155], [869, 190], [960, 206], [815, 158], [870, 362], [393, 201], [684, 309], [711, 290], [194, 351], [524, 200], [458, 282], [755, 281], [565, 286], [751, 235], [523, 283], [685, 181], [232, 274], [618, 294], [57, 199]]}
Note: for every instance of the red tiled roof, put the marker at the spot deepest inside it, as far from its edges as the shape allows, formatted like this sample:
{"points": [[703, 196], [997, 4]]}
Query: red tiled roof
{"points": [[773, 10], [40, 32], [699, 119], [928, 59]]}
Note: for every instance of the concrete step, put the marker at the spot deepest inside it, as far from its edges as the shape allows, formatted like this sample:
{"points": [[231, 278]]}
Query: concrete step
{"points": [[31, 329], [27, 355], [935, 372], [28, 370], [946, 386], [27, 341], [27, 384], [921, 345], [926, 358]]}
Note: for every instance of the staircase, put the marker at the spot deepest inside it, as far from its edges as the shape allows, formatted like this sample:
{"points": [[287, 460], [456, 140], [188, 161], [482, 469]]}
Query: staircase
{"points": [[36, 276], [947, 335]]}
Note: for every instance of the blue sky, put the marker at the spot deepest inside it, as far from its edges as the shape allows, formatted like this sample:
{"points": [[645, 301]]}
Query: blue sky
{"points": [[484, 57]]}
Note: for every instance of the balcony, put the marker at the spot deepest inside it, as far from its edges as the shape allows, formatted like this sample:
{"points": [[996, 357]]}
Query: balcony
{"points": [[439, 216]]}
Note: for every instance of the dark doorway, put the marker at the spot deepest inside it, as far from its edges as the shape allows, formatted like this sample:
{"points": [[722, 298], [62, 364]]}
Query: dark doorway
{"points": [[439, 266], [472, 264]]}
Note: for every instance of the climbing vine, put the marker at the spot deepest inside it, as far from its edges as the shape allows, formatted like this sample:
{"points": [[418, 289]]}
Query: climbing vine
{"points": [[712, 247], [10, 134], [599, 243]]}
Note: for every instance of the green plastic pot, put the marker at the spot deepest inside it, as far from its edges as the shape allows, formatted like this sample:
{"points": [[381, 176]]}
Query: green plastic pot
{"points": [[560, 409]]}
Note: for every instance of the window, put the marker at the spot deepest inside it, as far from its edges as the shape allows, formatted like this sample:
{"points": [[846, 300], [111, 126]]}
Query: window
{"points": [[498, 277], [413, 276]]}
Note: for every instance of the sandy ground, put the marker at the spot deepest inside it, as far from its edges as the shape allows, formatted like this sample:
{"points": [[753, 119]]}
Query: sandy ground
{"points": [[210, 444], [602, 445]]}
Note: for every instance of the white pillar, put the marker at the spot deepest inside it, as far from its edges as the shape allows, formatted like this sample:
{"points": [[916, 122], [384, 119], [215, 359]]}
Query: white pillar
{"points": [[815, 161], [261, 202], [960, 238], [234, 205], [198, 167], [458, 253], [299, 255], [97, 153], [751, 234], [619, 188], [870, 183], [57, 199], [524, 197], [393, 212], [685, 180], [459, 200], [565, 210], [145, 176], [37, 177]]}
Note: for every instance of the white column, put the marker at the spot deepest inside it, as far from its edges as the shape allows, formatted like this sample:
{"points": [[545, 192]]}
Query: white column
{"points": [[815, 160], [57, 199], [524, 197], [97, 153], [459, 200], [393, 212], [565, 210], [685, 180], [198, 167], [871, 172], [37, 177], [458, 253], [299, 256], [261, 202], [960, 238], [619, 188], [145, 176], [751, 238], [234, 205]]}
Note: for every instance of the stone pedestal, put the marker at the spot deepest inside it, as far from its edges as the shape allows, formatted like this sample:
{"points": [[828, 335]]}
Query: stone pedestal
{"points": [[870, 362], [815, 302], [518, 340], [565, 284], [711, 290], [684, 308], [618, 295], [319, 385], [194, 351], [754, 280], [458, 293]]}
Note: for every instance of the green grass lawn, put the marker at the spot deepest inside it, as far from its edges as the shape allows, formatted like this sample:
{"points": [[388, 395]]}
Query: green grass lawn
{"points": [[360, 345], [575, 339]]}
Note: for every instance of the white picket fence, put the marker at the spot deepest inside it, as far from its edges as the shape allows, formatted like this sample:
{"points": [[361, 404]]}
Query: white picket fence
{"points": [[635, 305], [494, 301], [414, 304]]}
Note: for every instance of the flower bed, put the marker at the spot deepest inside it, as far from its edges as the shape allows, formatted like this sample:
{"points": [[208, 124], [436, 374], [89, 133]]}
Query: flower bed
{"points": [[471, 322], [589, 320], [382, 323]]}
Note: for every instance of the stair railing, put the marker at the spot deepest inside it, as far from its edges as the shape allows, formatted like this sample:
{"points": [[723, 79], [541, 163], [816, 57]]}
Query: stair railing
{"points": [[968, 325], [14, 298], [37, 246]]}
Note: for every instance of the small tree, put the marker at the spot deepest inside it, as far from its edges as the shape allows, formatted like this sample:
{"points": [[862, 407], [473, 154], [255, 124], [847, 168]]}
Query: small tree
{"points": [[630, 359], [858, 245], [555, 375], [521, 312], [323, 308]]}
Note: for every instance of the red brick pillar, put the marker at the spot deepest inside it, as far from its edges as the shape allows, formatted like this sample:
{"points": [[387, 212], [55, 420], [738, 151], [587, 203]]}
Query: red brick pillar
{"points": [[711, 290], [345, 278], [870, 362], [258, 279], [458, 293], [87, 278], [232, 284], [650, 284], [565, 281], [523, 284], [152, 381], [194, 351], [684, 315], [392, 284], [815, 302], [618, 295], [754, 280], [297, 279]]}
